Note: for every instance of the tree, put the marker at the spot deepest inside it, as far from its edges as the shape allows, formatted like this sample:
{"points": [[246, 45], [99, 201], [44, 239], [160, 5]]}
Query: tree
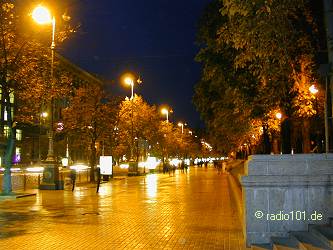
{"points": [[224, 96], [89, 118], [273, 39], [250, 51], [137, 119], [21, 67]]}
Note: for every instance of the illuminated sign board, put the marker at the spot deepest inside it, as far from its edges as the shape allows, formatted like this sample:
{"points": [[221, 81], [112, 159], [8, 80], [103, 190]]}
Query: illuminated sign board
{"points": [[105, 165]]}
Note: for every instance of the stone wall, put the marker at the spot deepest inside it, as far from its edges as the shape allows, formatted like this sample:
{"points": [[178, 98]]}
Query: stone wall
{"points": [[283, 193]]}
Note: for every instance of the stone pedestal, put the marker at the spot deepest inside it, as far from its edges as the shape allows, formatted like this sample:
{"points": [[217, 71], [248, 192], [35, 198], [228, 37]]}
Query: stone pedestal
{"points": [[51, 179], [283, 193], [133, 169]]}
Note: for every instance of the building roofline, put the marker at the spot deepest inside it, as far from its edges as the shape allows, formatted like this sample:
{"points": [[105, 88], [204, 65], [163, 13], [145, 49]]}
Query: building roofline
{"points": [[77, 70]]}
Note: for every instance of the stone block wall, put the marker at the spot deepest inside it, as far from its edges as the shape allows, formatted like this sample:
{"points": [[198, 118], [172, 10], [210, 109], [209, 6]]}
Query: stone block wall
{"points": [[283, 193]]}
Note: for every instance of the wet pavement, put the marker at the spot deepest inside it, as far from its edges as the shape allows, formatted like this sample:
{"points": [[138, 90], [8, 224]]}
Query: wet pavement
{"points": [[186, 211]]}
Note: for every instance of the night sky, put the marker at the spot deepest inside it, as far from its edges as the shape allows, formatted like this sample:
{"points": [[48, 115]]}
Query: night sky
{"points": [[153, 38]]}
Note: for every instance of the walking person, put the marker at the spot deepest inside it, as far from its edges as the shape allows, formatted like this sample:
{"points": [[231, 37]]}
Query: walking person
{"points": [[98, 174], [219, 168], [73, 178]]}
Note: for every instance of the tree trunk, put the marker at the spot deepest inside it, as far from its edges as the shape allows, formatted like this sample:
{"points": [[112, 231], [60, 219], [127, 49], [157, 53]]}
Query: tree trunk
{"points": [[275, 145], [92, 160], [267, 144], [286, 136], [306, 136]]}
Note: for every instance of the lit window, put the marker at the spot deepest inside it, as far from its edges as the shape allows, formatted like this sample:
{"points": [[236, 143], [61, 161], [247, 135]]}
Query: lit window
{"points": [[18, 134], [6, 131], [17, 155], [11, 97], [5, 113]]}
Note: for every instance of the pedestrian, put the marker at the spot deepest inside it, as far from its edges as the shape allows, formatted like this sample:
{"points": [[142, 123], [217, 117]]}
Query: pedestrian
{"points": [[165, 170], [73, 178], [182, 166], [219, 168], [98, 174]]}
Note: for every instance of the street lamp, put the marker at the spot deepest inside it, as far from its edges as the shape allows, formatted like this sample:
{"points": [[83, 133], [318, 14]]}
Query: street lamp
{"points": [[278, 116], [180, 124], [42, 16], [313, 90], [165, 111], [43, 115], [130, 82]]}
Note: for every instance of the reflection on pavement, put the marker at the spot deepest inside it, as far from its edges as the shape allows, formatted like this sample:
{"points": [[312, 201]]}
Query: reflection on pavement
{"points": [[190, 210]]}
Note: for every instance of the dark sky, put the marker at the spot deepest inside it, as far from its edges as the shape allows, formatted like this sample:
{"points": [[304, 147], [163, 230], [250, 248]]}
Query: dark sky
{"points": [[153, 38]]}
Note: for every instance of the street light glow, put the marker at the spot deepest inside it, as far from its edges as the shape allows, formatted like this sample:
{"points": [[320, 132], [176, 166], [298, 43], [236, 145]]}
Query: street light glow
{"points": [[313, 89], [278, 115], [41, 15], [129, 81], [44, 114], [164, 111]]}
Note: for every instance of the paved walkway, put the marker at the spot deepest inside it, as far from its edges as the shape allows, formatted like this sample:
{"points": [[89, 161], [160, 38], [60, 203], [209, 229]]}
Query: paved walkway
{"points": [[187, 211]]}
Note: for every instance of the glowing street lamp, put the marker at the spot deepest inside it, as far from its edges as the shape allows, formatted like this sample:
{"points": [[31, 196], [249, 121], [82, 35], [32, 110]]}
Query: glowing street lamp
{"points": [[180, 124], [165, 111], [43, 16], [130, 82], [278, 115], [313, 89]]}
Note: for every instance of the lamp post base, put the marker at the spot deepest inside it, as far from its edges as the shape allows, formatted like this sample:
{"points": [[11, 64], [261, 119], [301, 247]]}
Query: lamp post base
{"points": [[51, 179], [133, 168]]}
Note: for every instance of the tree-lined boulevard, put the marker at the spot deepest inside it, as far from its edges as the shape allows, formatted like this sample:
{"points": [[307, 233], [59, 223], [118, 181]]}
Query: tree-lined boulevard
{"points": [[264, 94]]}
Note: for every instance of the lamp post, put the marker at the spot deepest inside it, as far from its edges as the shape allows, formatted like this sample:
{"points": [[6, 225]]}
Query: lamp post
{"points": [[165, 111], [129, 80], [313, 90], [42, 16], [180, 124], [42, 116], [278, 116]]}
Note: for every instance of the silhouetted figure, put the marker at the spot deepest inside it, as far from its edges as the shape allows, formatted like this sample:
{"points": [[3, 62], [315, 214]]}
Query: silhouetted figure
{"points": [[98, 174], [182, 166], [73, 178]]}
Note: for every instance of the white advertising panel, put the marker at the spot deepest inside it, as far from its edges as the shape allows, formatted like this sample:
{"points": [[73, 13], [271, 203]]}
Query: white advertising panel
{"points": [[105, 164]]}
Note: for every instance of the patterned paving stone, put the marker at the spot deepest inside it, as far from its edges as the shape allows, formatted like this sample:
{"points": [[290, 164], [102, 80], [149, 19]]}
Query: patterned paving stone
{"points": [[186, 211]]}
